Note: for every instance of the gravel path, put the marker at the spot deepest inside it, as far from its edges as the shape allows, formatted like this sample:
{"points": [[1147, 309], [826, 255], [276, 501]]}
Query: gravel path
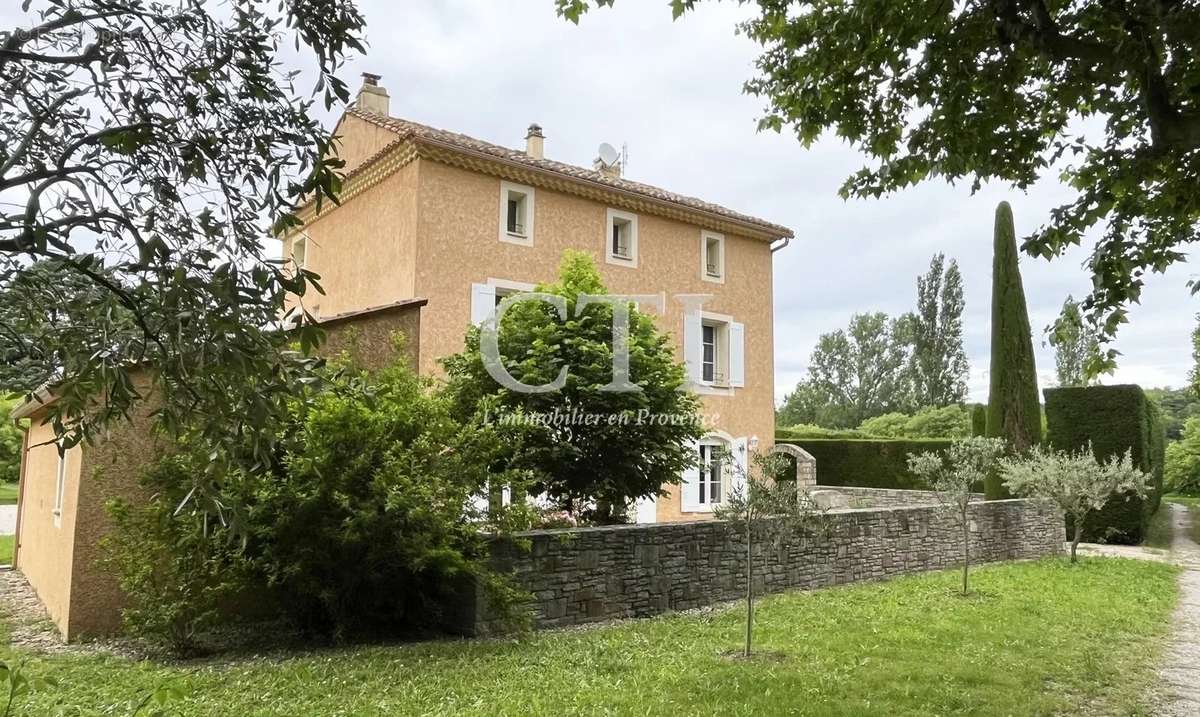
{"points": [[1181, 670]]}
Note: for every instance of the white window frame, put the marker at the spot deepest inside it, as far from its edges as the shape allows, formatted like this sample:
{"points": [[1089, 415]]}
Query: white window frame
{"points": [[60, 486], [690, 485], [485, 296], [530, 198], [730, 356], [610, 218], [705, 476], [300, 241], [705, 237]]}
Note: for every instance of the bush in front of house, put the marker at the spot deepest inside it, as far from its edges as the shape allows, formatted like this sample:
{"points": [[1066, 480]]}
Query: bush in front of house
{"points": [[1113, 419], [366, 525], [868, 463], [10, 444], [363, 524], [177, 569]]}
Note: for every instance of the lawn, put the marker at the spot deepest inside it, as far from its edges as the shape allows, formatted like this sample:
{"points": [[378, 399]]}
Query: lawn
{"points": [[8, 493], [6, 549], [1035, 638]]}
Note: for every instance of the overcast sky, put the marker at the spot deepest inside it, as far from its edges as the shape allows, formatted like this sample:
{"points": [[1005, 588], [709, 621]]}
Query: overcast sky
{"points": [[673, 92]]}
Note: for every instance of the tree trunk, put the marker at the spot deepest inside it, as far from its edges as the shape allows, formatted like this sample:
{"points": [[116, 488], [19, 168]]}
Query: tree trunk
{"points": [[966, 552], [1078, 536], [749, 586]]}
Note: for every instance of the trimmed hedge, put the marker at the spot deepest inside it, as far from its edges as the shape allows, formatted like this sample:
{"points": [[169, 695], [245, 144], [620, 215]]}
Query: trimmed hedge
{"points": [[1115, 419], [867, 463]]}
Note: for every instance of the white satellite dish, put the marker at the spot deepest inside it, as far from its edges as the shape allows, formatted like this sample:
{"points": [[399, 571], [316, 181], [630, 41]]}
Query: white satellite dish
{"points": [[608, 154]]}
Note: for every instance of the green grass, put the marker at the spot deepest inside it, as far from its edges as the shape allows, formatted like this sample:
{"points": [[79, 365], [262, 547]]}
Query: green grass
{"points": [[6, 549], [8, 493], [1036, 638]]}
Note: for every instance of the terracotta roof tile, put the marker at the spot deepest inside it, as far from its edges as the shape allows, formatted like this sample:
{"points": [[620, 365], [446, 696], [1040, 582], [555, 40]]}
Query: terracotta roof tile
{"points": [[406, 129]]}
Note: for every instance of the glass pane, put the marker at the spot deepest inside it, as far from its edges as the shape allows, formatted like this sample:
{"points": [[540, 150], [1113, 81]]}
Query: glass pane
{"points": [[514, 211]]}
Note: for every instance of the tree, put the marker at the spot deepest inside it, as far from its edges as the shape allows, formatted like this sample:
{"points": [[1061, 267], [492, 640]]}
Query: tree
{"points": [[1182, 468], [944, 422], [763, 511], [1176, 405], [1074, 482], [1074, 342], [857, 373], [149, 151], [1014, 411], [938, 365], [955, 475], [10, 444], [993, 91], [592, 452]]}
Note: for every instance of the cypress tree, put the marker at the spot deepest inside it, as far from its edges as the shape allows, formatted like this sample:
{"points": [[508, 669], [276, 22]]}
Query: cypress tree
{"points": [[1013, 410]]}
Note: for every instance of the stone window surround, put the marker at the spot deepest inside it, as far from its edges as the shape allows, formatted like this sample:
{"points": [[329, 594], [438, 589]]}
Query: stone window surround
{"points": [[528, 192]]}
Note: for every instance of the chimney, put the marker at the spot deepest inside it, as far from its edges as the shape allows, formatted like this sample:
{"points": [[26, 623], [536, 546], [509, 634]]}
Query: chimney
{"points": [[372, 97], [535, 142]]}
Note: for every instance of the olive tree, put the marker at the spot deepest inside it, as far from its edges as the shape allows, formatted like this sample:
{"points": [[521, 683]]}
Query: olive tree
{"points": [[1074, 482], [149, 153], [761, 511], [956, 474]]}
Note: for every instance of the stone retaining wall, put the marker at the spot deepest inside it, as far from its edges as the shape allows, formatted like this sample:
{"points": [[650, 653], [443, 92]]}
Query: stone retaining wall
{"points": [[593, 574]]}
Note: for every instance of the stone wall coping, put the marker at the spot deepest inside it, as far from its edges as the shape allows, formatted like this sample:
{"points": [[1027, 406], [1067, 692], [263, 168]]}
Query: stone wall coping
{"points": [[652, 527]]}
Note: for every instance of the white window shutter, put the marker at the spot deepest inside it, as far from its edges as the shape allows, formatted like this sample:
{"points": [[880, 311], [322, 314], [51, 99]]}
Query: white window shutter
{"points": [[689, 484], [737, 355], [646, 510], [483, 302], [741, 465], [693, 345]]}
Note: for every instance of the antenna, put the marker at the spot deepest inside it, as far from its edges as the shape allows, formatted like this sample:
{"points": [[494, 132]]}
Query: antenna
{"points": [[624, 157], [608, 154]]}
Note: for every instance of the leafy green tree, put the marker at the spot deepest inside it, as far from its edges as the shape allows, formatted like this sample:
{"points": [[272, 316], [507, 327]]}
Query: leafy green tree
{"points": [[1176, 405], [993, 91], [803, 406], [933, 422], [938, 365], [10, 444], [858, 372], [591, 452], [1182, 470], [152, 150], [889, 425], [1075, 344], [1014, 411]]}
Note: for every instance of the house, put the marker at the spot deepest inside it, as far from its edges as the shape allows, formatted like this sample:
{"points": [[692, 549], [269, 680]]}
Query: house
{"points": [[463, 223], [433, 228], [61, 515]]}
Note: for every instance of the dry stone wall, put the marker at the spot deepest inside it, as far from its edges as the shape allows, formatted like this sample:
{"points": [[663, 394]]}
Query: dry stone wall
{"points": [[591, 574]]}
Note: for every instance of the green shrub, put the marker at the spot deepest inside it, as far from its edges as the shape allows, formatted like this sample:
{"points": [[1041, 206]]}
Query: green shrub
{"points": [[177, 571], [978, 419], [933, 422], [10, 444], [870, 463], [1114, 419], [365, 525], [808, 430], [889, 425], [1182, 467]]}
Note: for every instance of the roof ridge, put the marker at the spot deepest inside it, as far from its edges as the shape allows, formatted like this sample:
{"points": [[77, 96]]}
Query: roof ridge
{"points": [[407, 128]]}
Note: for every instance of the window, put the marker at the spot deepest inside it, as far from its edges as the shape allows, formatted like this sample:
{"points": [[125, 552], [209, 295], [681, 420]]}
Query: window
{"points": [[300, 251], [710, 365], [621, 238], [487, 296], [516, 213], [712, 257], [60, 485], [714, 351], [712, 472]]}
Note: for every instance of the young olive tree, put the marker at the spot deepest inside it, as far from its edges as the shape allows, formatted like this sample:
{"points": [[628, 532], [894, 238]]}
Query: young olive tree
{"points": [[956, 474], [761, 510], [1076, 482]]}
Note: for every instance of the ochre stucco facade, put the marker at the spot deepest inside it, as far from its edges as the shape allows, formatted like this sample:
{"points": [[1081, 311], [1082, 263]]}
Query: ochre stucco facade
{"points": [[425, 221]]}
